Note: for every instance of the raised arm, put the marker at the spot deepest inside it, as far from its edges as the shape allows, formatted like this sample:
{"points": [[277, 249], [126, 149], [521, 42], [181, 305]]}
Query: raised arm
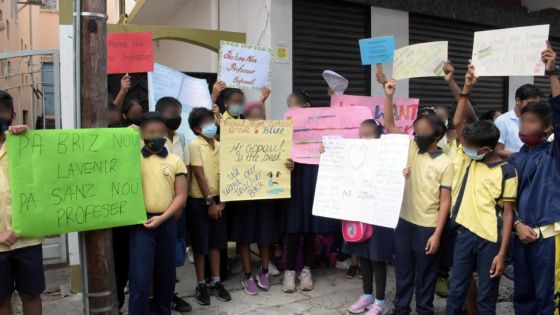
{"points": [[388, 114], [463, 104], [449, 76], [265, 93], [125, 86], [217, 88], [549, 58]]}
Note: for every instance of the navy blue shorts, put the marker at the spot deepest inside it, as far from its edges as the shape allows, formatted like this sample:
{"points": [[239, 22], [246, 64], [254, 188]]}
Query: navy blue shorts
{"points": [[22, 270]]}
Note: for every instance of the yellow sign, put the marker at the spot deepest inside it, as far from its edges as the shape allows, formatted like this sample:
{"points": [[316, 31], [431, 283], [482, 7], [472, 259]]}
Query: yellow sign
{"points": [[252, 159]]}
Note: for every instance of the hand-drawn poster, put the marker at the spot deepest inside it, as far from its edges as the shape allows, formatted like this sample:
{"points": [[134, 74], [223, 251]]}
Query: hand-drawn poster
{"points": [[405, 110], [75, 180], [311, 124], [420, 60], [361, 180], [252, 159], [244, 66], [510, 51], [130, 52]]}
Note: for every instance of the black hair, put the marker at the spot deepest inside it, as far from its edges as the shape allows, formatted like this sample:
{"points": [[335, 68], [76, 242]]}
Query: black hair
{"points": [[130, 103], [150, 117], [527, 91], [437, 124], [225, 95], [112, 108], [542, 110], [375, 125], [426, 111], [6, 100], [197, 115], [482, 133], [166, 102], [489, 115], [301, 96], [443, 106]]}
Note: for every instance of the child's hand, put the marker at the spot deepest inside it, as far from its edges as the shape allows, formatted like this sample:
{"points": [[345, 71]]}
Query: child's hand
{"points": [[432, 246], [18, 129], [215, 211], [390, 87], [470, 79], [133, 126], [406, 172], [498, 266], [448, 71], [548, 56], [125, 83], [218, 87], [265, 93], [330, 92], [289, 164], [322, 148], [8, 238], [153, 222], [215, 109], [525, 233], [381, 78]]}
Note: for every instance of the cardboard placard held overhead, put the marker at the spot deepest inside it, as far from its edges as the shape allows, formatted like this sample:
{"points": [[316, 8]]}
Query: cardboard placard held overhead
{"points": [[130, 52], [420, 60], [510, 51], [378, 50], [244, 66]]}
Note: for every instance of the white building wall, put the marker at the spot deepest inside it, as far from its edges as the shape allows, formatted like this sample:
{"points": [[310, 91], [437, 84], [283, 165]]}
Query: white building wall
{"points": [[281, 30]]}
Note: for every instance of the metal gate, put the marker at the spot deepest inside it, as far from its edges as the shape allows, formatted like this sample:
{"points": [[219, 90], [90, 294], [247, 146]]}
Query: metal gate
{"points": [[33, 79]]}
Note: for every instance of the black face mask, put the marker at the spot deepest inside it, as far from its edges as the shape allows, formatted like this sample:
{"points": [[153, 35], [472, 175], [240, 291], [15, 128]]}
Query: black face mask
{"points": [[132, 121], [5, 124], [424, 143], [173, 123], [155, 144]]}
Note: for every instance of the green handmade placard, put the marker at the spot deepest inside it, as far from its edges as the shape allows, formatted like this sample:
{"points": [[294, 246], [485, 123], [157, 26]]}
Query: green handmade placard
{"points": [[75, 180]]}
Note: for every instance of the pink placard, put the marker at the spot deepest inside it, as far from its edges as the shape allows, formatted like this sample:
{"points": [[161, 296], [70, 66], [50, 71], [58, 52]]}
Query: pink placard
{"points": [[311, 124], [130, 52], [405, 109]]}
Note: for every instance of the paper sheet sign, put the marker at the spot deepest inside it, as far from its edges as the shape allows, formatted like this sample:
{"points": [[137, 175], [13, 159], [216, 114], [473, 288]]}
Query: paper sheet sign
{"points": [[420, 60], [405, 110], [191, 92], [378, 50], [311, 124], [252, 159], [361, 180], [130, 52], [244, 66], [75, 180], [510, 51]]}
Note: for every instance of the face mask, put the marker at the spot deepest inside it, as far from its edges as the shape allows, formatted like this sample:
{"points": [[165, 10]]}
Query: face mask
{"points": [[209, 131], [132, 121], [155, 144], [473, 154], [424, 143], [531, 140], [173, 123], [235, 110], [5, 124]]}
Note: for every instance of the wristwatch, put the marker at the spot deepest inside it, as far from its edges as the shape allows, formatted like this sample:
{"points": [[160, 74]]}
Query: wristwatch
{"points": [[554, 71], [516, 222], [209, 200]]}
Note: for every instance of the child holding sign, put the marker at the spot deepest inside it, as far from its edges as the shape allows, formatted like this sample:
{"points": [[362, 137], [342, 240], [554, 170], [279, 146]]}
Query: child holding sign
{"points": [[424, 212], [21, 259], [205, 215], [152, 245]]}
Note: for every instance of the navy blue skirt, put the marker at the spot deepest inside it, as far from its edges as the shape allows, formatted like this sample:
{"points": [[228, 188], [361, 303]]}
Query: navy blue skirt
{"points": [[254, 221], [378, 248], [205, 233], [298, 217]]}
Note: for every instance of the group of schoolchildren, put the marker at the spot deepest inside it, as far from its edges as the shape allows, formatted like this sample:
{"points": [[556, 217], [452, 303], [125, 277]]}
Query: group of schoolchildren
{"points": [[462, 201]]}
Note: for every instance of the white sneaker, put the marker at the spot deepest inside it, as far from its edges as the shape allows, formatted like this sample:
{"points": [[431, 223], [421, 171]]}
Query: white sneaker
{"points": [[289, 284], [305, 280], [272, 270], [190, 255]]}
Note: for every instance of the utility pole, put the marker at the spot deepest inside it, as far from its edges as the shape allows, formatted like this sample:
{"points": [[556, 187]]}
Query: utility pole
{"points": [[100, 284]]}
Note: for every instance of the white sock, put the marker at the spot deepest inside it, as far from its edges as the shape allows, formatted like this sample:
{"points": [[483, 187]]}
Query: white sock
{"points": [[379, 302]]}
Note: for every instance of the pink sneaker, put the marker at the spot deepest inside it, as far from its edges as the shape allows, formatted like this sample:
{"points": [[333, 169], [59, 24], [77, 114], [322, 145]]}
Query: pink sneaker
{"points": [[361, 305], [377, 309]]}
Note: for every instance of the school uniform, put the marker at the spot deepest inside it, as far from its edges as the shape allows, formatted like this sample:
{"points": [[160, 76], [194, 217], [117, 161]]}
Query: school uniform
{"points": [[479, 192], [415, 270], [205, 233], [21, 265], [537, 265], [152, 251], [378, 248], [177, 145], [253, 221]]}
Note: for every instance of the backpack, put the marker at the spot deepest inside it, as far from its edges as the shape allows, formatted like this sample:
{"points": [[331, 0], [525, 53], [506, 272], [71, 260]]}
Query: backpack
{"points": [[356, 232]]}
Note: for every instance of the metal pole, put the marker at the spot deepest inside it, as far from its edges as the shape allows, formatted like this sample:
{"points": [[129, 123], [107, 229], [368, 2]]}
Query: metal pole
{"points": [[101, 291]]}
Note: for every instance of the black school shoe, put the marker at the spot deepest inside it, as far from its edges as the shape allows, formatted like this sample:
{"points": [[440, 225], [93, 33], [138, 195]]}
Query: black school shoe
{"points": [[202, 294], [180, 305], [217, 289], [352, 272]]}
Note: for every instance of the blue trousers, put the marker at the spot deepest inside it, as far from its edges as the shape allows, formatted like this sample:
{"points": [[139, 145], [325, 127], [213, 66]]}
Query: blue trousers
{"points": [[473, 253], [414, 269], [152, 260], [537, 270]]}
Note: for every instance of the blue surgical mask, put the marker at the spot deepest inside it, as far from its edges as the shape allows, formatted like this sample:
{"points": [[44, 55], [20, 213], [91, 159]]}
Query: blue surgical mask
{"points": [[235, 110], [209, 130], [473, 154]]}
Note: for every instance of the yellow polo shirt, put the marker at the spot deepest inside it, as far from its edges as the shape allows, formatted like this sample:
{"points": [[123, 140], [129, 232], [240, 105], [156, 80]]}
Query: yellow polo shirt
{"points": [[429, 172], [6, 205], [203, 155], [227, 115], [478, 198], [175, 146], [158, 180], [450, 149]]}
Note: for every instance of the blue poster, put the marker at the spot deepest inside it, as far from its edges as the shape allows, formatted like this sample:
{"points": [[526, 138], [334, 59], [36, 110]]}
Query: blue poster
{"points": [[377, 50]]}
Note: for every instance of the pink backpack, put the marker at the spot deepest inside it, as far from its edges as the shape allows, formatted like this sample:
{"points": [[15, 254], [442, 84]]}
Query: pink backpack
{"points": [[356, 232]]}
